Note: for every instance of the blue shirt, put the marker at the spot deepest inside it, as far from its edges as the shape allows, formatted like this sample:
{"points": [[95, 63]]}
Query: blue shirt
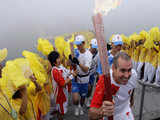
{"points": [[76, 53], [110, 62]]}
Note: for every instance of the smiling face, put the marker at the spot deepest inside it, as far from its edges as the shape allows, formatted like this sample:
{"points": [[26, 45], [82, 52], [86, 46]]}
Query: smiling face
{"points": [[122, 71]]}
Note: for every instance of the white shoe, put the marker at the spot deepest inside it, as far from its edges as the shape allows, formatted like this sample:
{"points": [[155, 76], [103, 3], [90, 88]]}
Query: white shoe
{"points": [[81, 111], [156, 84], [76, 112], [144, 80]]}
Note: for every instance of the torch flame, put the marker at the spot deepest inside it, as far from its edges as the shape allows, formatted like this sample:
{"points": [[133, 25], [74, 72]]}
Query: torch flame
{"points": [[104, 6]]}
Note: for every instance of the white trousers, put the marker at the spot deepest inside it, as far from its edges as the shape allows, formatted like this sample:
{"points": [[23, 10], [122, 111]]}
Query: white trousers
{"points": [[157, 79], [135, 64], [149, 72], [139, 69]]}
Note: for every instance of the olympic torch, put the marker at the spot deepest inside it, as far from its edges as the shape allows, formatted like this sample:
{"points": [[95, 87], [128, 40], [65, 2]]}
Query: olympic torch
{"points": [[102, 7]]}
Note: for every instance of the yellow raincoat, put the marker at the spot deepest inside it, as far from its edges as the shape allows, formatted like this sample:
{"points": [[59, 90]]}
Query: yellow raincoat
{"points": [[12, 78], [3, 54], [126, 45], [44, 46], [143, 51], [154, 37], [41, 75]]}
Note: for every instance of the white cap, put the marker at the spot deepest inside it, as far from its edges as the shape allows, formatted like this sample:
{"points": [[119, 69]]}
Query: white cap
{"points": [[94, 43], [117, 40], [79, 39]]}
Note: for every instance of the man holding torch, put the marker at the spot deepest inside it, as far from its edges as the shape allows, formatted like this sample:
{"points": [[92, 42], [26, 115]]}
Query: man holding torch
{"points": [[111, 99], [123, 81]]}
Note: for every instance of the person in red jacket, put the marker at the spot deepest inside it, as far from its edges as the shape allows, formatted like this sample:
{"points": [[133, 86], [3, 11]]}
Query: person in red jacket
{"points": [[123, 82], [58, 82]]}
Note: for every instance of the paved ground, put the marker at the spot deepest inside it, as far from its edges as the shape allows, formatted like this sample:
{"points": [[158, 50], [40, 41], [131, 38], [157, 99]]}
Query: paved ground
{"points": [[70, 114]]}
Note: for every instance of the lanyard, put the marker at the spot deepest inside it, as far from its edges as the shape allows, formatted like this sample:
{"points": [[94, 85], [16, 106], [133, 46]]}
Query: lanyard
{"points": [[13, 113]]}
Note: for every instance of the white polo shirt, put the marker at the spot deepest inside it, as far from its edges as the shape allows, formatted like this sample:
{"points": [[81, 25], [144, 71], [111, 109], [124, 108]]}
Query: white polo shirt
{"points": [[86, 60]]}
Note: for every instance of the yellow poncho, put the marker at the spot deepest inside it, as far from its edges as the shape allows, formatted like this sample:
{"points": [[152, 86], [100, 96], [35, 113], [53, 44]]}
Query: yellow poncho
{"points": [[36, 66], [143, 54], [143, 51], [126, 45], [44, 46], [136, 49], [154, 58], [6, 111], [42, 77], [13, 76], [152, 54], [59, 44], [155, 37], [3, 54]]}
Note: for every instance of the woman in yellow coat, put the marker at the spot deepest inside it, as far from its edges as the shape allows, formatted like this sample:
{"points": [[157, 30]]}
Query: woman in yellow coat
{"points": [[37, 96], [14, 95], [8, 110], [152, 55], [157, 48], [135, 49], [143, 54]]}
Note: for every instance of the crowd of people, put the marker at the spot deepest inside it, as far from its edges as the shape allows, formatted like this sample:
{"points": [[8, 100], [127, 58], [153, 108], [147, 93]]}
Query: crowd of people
{"points": [[36, 88]]}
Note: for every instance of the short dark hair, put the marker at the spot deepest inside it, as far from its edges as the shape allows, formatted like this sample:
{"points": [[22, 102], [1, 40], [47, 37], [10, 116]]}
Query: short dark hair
{"points": [[122, 55], [52, 57]]}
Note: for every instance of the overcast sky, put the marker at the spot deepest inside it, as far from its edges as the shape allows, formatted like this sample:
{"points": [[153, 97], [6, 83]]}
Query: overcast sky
{"points": [[23, 21]]}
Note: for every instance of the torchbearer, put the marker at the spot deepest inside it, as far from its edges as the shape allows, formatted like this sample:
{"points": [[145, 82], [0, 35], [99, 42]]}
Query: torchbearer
{"points": [[117, 83]]}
